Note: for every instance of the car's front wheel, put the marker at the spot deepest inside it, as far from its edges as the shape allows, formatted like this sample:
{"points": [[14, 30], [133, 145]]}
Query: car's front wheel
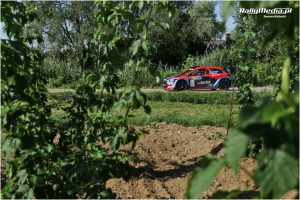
{"points": [[224, 84], [181, 85]]}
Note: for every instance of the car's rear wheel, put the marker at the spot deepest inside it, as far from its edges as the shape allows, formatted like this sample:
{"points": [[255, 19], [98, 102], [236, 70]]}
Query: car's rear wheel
{"points": [[224, 84], [181, 85]]}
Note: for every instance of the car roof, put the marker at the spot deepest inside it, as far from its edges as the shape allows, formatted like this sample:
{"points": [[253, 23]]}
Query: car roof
{"points": [[207, 67]]}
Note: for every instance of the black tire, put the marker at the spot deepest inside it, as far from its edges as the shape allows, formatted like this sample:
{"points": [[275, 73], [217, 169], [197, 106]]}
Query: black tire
{"points": [[224, 84], [181, 85]]}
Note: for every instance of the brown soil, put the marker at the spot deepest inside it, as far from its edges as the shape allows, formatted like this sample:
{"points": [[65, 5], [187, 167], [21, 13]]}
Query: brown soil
{"points": [[168, 155]]}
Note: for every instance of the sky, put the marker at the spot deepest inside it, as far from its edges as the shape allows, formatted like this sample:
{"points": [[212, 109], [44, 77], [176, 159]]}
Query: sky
{"points": [[230, 21], [2, 35], [229, 24]]}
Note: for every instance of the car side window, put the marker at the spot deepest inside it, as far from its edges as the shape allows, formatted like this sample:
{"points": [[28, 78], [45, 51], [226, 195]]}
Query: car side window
{"points": [[198, 72], [194, 73], [201, 71], [215, 71]]}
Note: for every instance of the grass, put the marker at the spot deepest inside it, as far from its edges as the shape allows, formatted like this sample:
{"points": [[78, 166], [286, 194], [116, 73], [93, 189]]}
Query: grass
{"points": [[184, 108], [186, 114], [195, 97], [208, 97]]}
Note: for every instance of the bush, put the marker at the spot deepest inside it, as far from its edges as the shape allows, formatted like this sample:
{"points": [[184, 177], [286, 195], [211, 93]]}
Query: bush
{"points": [[191, 97], [217, 97], [144, 77], [219, 57], [60, 96], [61, 73], [60, 99], [168, 71], [75, 157]]}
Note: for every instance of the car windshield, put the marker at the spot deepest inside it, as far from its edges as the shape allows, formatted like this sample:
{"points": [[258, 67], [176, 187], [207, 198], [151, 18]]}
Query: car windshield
{"points": [[186, 72]]}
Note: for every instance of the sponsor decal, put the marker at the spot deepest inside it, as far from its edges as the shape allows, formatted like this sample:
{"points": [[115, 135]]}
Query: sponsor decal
{"points": [[203, 82]]}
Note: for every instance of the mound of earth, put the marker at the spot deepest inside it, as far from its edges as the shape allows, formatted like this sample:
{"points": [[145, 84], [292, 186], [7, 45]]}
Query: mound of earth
{"points": [[168, 155]]}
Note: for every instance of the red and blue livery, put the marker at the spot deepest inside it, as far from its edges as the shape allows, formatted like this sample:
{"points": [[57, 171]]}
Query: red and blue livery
{"points": [[200, 78]]}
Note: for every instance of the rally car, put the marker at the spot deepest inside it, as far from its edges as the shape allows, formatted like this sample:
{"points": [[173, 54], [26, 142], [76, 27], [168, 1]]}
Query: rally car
{"points": [[200, 78]]}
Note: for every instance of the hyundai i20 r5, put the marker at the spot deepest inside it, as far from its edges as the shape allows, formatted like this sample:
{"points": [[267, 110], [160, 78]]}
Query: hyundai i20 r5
{"points": [[200, 78]]}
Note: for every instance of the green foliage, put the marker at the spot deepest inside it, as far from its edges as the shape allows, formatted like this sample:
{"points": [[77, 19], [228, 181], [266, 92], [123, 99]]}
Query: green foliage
{"points": [[145, 76], [254, 147], [191, 97], [217, 97], [268, 65], [169, 112], [277, 166], [188, 28], [276, 122], [259, 50], [244, 49], [191, 115], [203, 178], [66, 27], [168, 71], [293, 69], [219, 57], [235, 147], [60, 96], [61, 73], [203, 20], [211, 97], [23, 112], [76, 156]]}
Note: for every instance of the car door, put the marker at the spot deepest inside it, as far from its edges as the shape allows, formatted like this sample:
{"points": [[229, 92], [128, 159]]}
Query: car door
{"points": [[215, 74], [200, 79]]}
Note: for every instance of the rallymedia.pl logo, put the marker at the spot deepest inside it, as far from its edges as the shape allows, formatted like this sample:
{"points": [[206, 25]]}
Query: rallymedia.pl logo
{"points": [[270, 13]]}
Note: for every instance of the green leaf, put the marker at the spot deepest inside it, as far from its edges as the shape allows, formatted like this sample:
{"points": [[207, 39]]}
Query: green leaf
{"points": [[147, 109], [135, 47], [225, 195], [118, 138], [285, 75], [202, 178], [235, 148], [235, 194], [24, 189], [274, 111], [164, 26], [277, 173], [248, 117], [22, 175], [285, 80], [145, 44], [141, 98], [29, 194], [157, 79], [140, 4]]}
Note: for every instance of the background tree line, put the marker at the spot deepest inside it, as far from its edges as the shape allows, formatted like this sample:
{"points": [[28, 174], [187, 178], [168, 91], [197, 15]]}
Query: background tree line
{"points": [[67, 32]]}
